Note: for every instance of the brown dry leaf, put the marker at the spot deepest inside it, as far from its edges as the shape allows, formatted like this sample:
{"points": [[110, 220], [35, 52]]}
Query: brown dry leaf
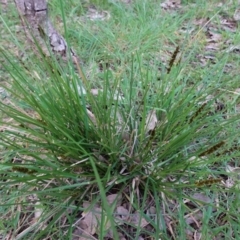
{"points": [[229, 24], [193, 235], [212, 46], [122, 213], [114, 198], [94, 15], [138, 220], [151, 121], [213, 40], [189, 234], [201, 197], [111, 236], [83, 225], [91, 220], [152, 210], [86, 204], [171, 4], [214, 37], [79, 234], [193, 217]]}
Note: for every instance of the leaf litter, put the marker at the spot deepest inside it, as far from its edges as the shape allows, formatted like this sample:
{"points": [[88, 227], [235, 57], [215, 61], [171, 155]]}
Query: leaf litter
{"points": [[92, 217], [171, 4]]}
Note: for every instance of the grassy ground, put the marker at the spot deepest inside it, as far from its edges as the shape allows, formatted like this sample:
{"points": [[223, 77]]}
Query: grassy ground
{"points": [[158, 156]]}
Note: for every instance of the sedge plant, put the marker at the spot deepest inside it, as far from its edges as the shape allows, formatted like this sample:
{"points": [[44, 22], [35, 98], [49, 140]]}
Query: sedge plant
{"points": [[59, 141], [149, 135]]}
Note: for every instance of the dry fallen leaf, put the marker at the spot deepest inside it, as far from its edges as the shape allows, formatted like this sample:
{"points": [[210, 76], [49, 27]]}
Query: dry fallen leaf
{"points": [[83, 225], [171, 4], [122, 213], [152, 210], [193, 217], [92, 217], [201, 197], [114, 198], [93, 14], [214, 37], [138, 220], [86, 204], [212, 47], [91, 220], [79, 234], [229, 24], [151, 121]]}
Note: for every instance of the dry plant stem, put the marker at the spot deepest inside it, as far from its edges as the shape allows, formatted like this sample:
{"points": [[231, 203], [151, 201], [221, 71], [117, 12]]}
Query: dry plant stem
{"points": [[171, 229], [133, 140], [40, 225], [30, 228], [80, 72], [191, 214]]}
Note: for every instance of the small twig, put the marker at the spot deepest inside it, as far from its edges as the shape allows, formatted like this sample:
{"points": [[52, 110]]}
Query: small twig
{"points": [[80, 72]]}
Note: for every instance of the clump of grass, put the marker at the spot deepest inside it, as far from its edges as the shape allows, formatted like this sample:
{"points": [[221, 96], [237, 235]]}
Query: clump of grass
{"points": [[56, 147], [150, 134]]}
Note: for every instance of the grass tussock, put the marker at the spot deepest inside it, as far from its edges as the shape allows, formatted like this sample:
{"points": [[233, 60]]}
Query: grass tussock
{"points": [[120, 145]]}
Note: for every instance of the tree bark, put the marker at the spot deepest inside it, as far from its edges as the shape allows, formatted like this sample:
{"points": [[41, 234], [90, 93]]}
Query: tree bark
{"points": [[39, 29]]}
